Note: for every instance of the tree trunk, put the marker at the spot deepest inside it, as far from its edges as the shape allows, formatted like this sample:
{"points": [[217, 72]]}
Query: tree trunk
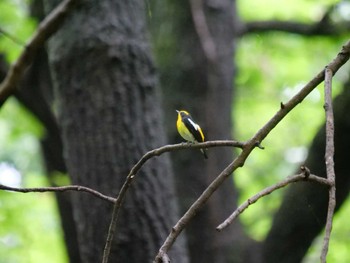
{"points": [[303, 212], [109, 113], [205, 88]]}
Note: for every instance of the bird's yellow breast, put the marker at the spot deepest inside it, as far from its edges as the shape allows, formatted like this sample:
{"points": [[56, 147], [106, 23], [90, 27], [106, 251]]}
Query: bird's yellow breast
{"points": [[183, 131]]}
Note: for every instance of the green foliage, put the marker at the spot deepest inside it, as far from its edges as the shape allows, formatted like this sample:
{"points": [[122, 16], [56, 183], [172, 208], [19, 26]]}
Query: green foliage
{"points": [[30, 229], [272, 67], [19, 131], [14, 20], [338, 245], [297, 10]]}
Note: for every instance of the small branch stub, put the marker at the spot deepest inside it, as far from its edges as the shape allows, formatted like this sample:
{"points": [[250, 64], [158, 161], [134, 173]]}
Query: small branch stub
{"points": [[326, 106], [258, 144], [305, 171]]}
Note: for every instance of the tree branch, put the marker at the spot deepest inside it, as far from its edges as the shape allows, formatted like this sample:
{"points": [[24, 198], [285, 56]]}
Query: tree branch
{"points": [[324, 27], [77, 188], [137, 167], [329, 159], [340, 59], [292, 179], [45, 29], [304, 29]]}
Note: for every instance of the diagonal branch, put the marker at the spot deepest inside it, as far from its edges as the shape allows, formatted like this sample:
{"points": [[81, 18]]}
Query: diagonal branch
{"points": [[341, 58], [329, 159], [46, 29], [77, 188], [292, 179]]}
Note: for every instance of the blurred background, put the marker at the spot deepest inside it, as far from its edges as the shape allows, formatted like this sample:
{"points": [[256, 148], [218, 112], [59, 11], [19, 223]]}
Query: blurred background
{"points": [[271, 66]]}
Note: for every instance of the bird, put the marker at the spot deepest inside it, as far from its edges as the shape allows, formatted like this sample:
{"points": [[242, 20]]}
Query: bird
{"points": [[189, 130]]}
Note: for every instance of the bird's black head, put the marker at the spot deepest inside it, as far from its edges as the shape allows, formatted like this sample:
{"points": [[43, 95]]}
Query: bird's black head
{"points": [[183, 113]]}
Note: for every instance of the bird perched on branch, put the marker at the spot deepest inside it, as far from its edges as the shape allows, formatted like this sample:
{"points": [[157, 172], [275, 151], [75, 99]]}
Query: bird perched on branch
{"points": [[189, 130]]}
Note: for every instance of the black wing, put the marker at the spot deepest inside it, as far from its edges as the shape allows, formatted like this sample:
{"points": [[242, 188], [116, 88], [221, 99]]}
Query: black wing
{"points": [[194, 129]]}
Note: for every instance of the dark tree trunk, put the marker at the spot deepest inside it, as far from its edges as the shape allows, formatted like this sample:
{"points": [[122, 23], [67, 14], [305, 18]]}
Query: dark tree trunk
{"points": [[109, 113], [205, 89], [303, 212]]}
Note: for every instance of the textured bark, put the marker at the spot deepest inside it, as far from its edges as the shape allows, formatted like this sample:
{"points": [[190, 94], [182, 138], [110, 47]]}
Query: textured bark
{"points": [[109, 115], [303, 212], [205, 89]]}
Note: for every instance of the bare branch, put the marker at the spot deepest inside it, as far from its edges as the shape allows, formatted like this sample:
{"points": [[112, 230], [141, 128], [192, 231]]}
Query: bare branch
{"points": [[77, 188], [304, 176], [137, 167], [340, 59], [323, 27], [295, 28], [329, 159], [46, 29]]}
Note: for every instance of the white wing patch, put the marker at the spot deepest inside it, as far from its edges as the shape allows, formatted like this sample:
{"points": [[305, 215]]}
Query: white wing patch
{"points": [[195, 125]]}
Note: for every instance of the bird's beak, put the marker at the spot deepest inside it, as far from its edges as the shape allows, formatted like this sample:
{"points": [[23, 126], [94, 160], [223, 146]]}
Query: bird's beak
{"points": [[177, 111]]}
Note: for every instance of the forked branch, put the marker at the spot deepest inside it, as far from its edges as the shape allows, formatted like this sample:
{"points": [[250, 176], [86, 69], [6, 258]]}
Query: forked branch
{"points": [[292, 179]]}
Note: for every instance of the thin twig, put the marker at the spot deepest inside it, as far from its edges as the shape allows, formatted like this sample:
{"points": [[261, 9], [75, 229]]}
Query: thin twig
{"points": [[340, 59], [268, 190], [137, 167], [59, 189], [329, 155], [11, 37], [45, 29]]}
